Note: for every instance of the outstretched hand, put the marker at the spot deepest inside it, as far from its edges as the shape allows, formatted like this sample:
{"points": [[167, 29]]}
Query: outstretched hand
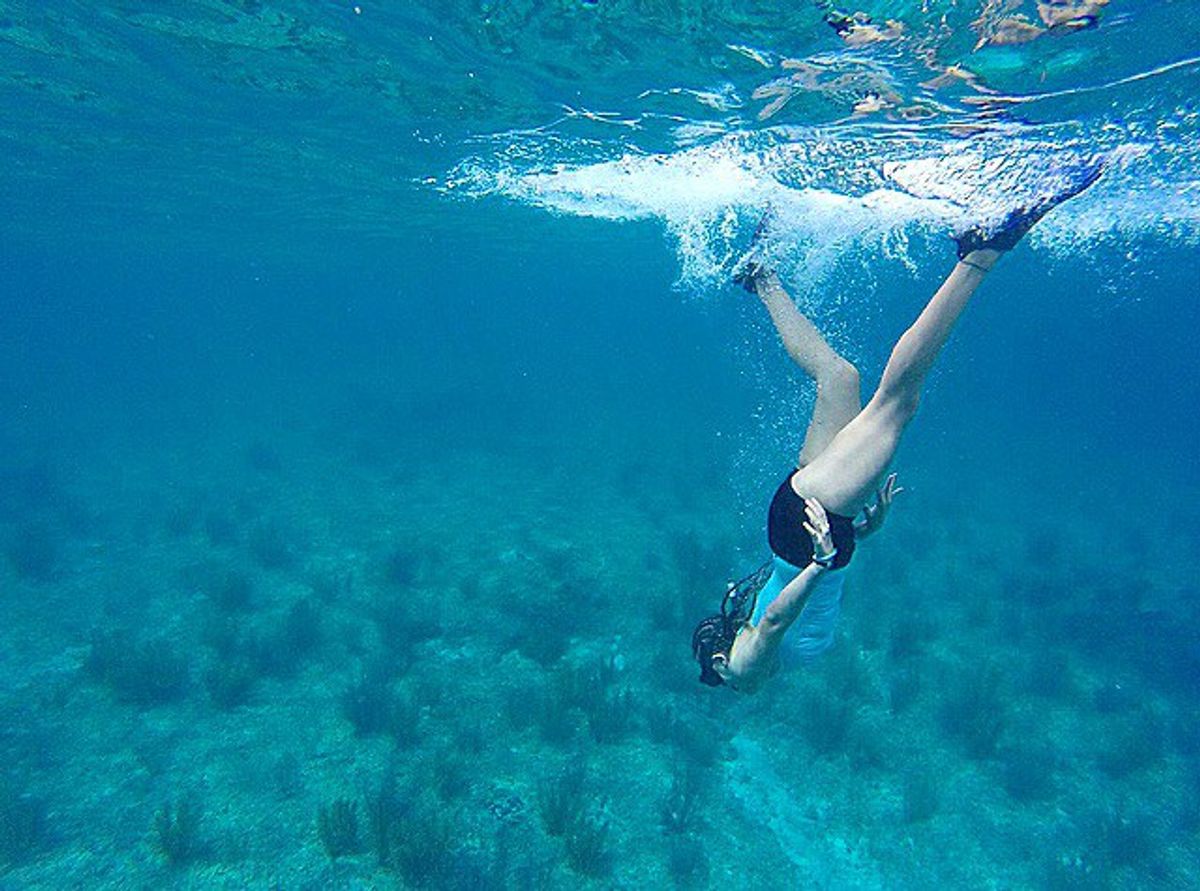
{"points": [[817, 527], [875, 514]]}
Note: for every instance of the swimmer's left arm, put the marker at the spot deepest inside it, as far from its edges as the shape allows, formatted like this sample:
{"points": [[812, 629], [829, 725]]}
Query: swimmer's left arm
{"points": [[874, 514]]}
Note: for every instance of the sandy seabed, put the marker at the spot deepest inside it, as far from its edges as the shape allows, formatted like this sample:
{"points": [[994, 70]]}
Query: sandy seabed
{"points": [[318, 661]]}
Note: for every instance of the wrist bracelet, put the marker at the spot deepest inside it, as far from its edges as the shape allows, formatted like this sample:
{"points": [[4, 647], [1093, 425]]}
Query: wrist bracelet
{"points": [[825, 562], [976, 265]]}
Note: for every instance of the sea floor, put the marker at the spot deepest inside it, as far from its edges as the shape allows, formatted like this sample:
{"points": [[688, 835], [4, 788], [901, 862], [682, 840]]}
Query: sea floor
{"points": [[308, 660]]}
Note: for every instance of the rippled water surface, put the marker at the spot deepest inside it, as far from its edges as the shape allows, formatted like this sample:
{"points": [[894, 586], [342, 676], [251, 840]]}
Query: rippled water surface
{"points": [[342, 113]]}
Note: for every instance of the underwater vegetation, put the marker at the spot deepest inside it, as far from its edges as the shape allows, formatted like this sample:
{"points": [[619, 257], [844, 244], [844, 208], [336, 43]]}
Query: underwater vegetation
{"points": [[975, 713], [1027, 773], [35, 551], [510, 703], [921, 796], [679, 810], [406, 833], [549, 766], [24, 825], [337, 827], [373, 706], [143, 671], [273, 546], [176, 832]]}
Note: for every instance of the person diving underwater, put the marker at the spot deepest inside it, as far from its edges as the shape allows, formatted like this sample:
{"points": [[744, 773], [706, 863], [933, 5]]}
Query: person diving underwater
{"points": [[841, 490]]}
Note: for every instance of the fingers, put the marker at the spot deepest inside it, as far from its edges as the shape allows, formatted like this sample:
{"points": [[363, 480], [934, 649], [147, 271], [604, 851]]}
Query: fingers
{"points": [[822, 541], [815, 511], [817, 526], [889, 490]]}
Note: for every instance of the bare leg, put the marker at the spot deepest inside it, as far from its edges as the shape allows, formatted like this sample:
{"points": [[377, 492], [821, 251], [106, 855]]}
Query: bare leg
{"points": [[845, 474], [838, 399]]}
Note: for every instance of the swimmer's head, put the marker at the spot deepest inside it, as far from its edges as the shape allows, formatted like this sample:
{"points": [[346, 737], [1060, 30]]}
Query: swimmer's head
{"points": [[711, 642]]}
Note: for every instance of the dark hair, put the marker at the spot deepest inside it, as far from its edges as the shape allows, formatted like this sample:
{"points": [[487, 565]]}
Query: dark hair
{"points": [[716, 633], [711, 636]]}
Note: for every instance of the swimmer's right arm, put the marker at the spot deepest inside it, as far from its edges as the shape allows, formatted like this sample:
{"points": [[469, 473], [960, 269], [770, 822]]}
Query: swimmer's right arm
{"points": [[756, 655], [786, 608], [758, 645]]}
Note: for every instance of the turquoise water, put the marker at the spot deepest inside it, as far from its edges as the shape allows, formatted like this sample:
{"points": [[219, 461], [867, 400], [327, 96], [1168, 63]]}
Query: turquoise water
{"points": [[377, 420]]}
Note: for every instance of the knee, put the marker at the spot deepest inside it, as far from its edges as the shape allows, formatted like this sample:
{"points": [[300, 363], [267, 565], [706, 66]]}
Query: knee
{"points": [[847, 374], [895, 402], [842, 377]]}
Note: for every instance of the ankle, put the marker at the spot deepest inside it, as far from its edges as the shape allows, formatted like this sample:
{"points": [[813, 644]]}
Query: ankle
{"points": [[982, 259], [767, 280]]}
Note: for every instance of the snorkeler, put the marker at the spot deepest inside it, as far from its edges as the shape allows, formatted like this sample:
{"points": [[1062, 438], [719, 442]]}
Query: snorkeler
{"points": [[811, 525]]}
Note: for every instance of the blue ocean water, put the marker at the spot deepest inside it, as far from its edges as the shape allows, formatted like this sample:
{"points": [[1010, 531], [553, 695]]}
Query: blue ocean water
{"points": [[377, 419]]}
